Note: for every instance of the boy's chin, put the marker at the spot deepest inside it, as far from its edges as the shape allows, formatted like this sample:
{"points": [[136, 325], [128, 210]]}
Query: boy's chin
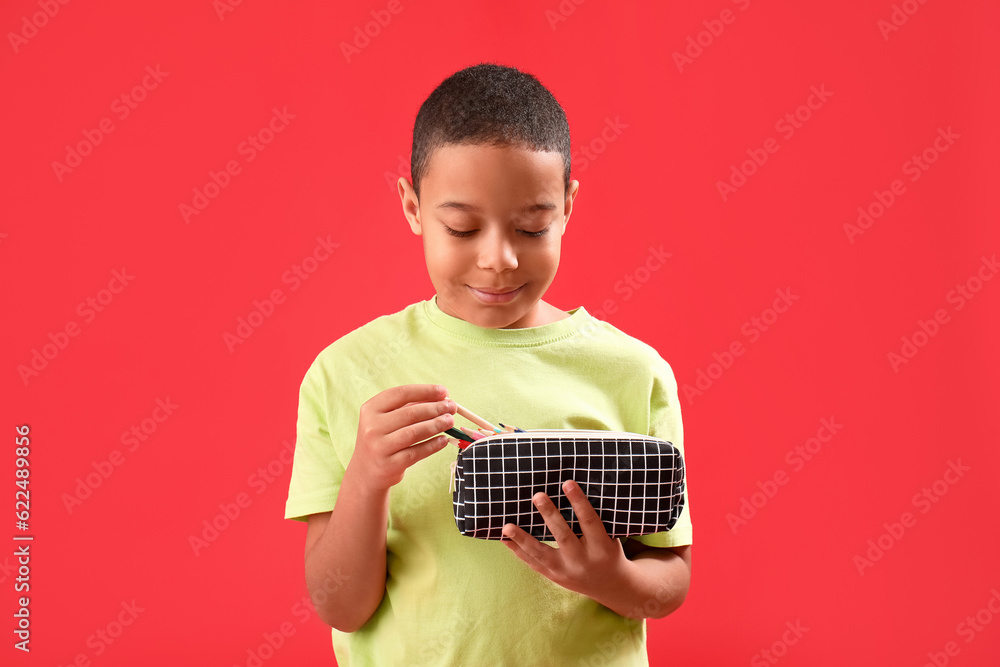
{"points": [[505, 316], [491, 315]]}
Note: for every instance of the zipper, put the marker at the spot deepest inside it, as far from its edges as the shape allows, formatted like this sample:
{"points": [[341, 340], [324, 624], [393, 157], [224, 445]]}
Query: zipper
{"points": [[559, 432]]}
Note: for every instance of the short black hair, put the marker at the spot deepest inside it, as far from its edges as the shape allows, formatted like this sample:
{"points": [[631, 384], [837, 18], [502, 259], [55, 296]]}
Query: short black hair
{"points": [[489, 104]]}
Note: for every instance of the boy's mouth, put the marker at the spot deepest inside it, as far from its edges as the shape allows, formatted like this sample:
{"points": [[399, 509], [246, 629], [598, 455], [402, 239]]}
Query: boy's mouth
{"points": [[495, 294]]}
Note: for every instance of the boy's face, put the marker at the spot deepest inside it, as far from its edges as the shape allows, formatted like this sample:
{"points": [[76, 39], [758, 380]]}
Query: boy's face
{"points": [[492, 220]]}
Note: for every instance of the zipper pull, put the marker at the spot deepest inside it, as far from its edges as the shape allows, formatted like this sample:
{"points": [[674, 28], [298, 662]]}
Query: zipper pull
{"points": [[454, 467]]}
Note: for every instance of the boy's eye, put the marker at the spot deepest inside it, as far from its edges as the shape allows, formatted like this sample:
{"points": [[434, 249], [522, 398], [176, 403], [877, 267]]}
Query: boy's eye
{"points": [[459, 234], [542, 232]]}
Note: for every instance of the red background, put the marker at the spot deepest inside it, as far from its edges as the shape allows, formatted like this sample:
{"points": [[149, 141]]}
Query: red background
{"points": [[656, 184]]}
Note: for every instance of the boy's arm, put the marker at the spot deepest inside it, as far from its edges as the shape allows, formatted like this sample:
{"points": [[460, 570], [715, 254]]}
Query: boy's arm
{"points": [[670, 581], [345, 556], [345, 553]]}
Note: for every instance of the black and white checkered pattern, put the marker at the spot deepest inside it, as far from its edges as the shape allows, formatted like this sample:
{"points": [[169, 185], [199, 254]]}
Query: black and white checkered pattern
{"points": [[635, 482]]}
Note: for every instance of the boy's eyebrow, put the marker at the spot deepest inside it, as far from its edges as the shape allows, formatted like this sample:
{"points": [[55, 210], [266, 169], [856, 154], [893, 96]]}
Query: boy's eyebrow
{"points": [[459, 206]]}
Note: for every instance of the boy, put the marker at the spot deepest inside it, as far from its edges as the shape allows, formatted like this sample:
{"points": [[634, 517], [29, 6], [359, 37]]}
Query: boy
{"points": [[384, 562]]}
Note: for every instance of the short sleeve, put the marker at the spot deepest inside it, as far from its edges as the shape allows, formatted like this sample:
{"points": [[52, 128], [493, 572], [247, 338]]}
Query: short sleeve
{"points": [[665, 423], [317, 470]]}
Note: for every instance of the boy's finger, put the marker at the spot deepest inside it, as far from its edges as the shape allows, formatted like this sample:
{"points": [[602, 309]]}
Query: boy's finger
{"points": [[421, 451], [417, 424], [590, 522], [561, 532], [410, 422], [527, 548], [397, 397]]}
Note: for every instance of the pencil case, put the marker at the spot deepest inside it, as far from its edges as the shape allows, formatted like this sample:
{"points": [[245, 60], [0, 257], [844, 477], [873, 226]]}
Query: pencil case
{"points": [[634, 482]]}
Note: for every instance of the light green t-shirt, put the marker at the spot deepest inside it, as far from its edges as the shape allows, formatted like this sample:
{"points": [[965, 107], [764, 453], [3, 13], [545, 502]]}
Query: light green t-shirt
{"points": [[457, 600]]}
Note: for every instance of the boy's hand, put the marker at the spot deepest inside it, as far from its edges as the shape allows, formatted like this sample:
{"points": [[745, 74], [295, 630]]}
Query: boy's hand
{"points": [[389, 425], [587, 565]]}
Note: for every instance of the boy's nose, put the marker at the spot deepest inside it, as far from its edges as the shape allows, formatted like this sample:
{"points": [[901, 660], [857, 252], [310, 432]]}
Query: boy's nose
{"points": [[497, 254]]}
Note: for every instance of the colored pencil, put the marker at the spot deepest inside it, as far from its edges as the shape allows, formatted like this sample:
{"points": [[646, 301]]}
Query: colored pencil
{"points": [[461, 435], [475, 419], [475, 435]]}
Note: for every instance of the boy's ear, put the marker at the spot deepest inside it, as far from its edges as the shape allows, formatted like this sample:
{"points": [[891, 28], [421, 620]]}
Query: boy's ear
{"points": [[574, 189], [411, 205]]}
